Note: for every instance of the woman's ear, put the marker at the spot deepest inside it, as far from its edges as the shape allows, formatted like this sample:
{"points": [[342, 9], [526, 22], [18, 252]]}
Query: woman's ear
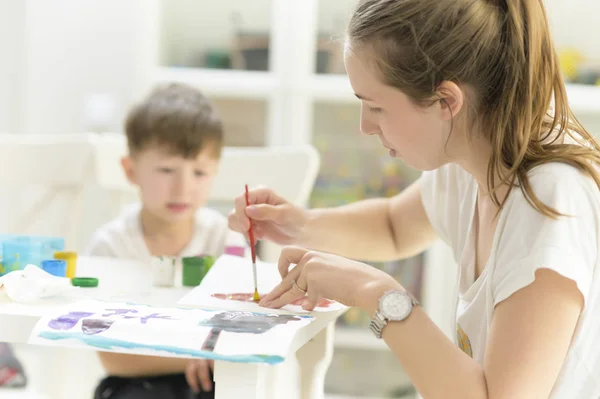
{"points": [[451, 98], [128, 169]]}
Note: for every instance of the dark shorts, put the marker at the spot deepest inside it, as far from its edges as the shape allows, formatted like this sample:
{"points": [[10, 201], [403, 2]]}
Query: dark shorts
{"points": [[172, 386]]}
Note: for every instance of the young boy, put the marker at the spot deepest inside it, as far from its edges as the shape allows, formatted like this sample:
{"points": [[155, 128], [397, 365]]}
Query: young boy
{"points": [[174, 138]]}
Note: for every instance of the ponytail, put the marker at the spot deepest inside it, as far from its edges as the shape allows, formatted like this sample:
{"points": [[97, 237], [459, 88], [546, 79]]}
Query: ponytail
{"points": [[526, 130]]}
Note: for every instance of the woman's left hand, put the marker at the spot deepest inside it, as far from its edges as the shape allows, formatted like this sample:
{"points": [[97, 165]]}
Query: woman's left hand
{"points": [[322, 275]]}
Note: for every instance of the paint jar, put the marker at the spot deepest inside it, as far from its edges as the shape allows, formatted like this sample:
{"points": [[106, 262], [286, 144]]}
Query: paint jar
{"points": [[193, 270], [163, 271], [71, 259], [235, 251], [20, 251], [56, 267], [208, 261]]}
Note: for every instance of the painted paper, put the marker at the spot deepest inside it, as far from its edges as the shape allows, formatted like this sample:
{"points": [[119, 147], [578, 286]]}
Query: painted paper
{"points": [[236, 335]]}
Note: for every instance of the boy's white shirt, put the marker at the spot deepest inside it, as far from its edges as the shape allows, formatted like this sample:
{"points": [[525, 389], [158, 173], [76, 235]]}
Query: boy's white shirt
{"points": [[123, 236], [524, 241]]}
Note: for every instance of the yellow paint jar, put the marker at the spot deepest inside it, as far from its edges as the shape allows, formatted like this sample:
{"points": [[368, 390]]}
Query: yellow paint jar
{"points": [[71, 259]]}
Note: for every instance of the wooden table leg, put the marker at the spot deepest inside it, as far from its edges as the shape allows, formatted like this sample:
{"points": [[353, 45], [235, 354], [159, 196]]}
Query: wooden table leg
{"points": [[314, 359]]}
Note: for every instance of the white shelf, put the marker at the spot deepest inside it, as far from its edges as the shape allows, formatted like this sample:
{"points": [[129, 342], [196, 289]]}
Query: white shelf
{"points": [[222, 82], [584, 99], [347, 337]]}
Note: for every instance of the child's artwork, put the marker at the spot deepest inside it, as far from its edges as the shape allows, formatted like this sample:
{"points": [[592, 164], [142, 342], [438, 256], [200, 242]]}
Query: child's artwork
{"points": [[229, 285], [240, 336]]}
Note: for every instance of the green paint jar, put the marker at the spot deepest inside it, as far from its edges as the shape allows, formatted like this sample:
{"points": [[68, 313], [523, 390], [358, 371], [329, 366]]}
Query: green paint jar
{"points": [[193, 270], [208, 261]]}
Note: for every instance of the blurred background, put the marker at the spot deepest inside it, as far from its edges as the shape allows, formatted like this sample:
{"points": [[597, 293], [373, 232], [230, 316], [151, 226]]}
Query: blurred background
{"points": [[274, 69]]}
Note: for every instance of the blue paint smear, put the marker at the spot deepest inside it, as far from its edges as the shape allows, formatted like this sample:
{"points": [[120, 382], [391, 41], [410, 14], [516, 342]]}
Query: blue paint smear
{"points": [[110, 343]]}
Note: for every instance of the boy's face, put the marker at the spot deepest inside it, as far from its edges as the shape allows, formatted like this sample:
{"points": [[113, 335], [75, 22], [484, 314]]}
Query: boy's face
{"points": [[171, 187]]}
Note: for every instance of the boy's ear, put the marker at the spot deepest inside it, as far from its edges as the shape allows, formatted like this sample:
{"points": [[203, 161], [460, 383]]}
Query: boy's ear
{"points": [[127, 165], [451, 97]]}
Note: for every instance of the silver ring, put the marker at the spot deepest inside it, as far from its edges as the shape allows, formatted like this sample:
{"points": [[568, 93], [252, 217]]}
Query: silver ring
{"points": [[295, 284]]}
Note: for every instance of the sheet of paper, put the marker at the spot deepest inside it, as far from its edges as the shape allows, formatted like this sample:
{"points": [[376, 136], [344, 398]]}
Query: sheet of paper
{"points": [[240, 336], [231, 275]]}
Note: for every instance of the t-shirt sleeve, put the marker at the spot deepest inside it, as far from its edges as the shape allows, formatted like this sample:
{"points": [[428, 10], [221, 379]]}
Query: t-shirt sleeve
{"points": [[530, 240]]}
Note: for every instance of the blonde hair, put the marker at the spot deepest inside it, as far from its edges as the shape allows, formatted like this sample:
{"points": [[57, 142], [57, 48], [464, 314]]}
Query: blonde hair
{"points": [[502, 49]]}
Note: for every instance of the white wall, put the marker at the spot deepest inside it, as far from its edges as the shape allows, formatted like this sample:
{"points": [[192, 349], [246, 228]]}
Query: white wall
{"points": [[12, 27], [69, 51], [55, 57], [574, 23]]}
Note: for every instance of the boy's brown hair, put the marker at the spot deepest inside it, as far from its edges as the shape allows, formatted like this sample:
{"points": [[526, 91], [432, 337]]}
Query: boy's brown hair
{"points": [[178, 117]]}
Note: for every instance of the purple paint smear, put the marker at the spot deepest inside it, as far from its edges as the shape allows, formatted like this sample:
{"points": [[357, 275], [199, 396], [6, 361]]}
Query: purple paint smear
{"points": [[68, 321], [118, 312], [143, 319], [96, 326]]}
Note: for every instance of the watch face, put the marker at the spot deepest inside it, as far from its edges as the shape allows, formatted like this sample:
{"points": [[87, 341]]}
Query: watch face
{"points": [[395, 305]]}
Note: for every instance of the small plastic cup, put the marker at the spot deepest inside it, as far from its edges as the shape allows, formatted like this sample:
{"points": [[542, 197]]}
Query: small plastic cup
{"points": [[235, 251], [56, 267], [194, 268], [20, 251], [71, 259], [163, 271], [209, 261]]}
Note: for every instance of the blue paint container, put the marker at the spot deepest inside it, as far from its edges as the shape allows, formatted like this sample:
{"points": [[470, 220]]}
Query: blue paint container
{"points": [[56, 267], [20, 251]]}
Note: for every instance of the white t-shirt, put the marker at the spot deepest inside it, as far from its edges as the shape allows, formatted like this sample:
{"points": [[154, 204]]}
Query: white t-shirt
{"points": [[123, 238], [524, 241]]}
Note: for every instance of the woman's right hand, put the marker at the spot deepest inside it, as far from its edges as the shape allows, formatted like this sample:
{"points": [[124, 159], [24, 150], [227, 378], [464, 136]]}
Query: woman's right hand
{"points": [[273, 218]]}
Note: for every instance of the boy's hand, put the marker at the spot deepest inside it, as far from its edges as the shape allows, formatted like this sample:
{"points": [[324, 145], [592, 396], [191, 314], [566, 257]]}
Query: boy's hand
{"points": [[197, 373]]}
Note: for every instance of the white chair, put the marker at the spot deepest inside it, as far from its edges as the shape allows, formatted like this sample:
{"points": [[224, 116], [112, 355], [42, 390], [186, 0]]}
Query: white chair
{"points": [[291, 171], [42, 180], [58, 165]]}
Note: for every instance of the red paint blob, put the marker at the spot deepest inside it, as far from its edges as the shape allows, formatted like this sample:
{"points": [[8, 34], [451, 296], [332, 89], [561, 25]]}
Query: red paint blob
{"points": [[249, 297], [239, 296]]}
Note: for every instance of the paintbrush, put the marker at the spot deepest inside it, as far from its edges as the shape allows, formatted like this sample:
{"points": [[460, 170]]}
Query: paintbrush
{"points": [[253, 250]]}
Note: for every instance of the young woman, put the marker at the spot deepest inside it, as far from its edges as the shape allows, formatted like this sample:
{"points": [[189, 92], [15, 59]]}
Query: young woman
{"points": [[470, 92]]}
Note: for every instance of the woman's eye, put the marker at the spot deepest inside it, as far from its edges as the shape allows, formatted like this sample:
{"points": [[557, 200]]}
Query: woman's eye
{"points": [[165, 170], [375, 110], [199, 173]]}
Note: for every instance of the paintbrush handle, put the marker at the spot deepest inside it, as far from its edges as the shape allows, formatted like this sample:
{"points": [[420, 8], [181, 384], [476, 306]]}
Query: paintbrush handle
{"points": [[252, 249], [251, 232], [254, 272]]}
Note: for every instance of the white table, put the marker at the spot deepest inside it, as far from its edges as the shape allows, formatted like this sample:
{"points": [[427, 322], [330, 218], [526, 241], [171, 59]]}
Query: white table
{"points": [[129, 280]]}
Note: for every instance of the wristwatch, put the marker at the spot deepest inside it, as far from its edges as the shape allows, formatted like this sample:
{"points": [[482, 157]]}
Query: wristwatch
{"points": [[394, 305]]}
